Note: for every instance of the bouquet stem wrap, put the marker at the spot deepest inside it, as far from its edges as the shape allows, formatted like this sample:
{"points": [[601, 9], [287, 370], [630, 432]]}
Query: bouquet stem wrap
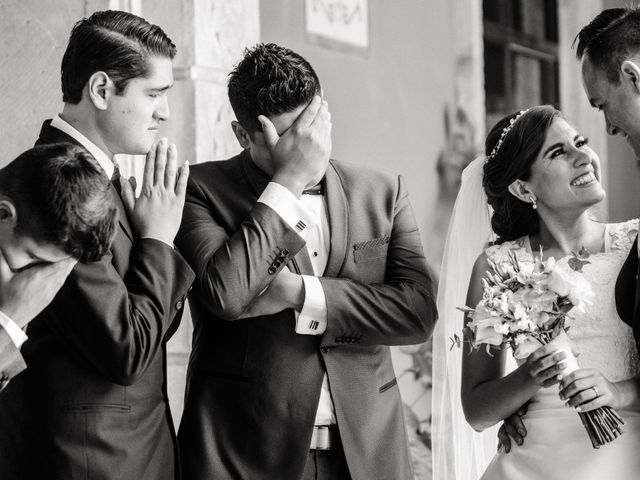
{"points": [[602, 424]]}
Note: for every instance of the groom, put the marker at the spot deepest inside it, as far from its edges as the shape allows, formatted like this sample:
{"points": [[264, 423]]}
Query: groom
{"points": [[307, 270], [609, 48]]}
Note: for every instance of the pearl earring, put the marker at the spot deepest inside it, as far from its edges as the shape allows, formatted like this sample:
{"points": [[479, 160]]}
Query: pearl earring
{"points": [[533, 203]]}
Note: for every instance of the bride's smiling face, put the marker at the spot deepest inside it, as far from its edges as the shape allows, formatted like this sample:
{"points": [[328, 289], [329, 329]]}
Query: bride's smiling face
{"points": [[566, 173]]}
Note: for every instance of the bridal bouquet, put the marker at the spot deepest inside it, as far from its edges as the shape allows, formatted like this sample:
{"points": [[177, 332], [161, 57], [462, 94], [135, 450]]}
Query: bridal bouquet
{"points": [[524, 305]]}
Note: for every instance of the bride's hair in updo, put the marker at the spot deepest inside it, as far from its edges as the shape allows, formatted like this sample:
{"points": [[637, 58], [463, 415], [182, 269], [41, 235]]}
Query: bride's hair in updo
{"points": [[513, 218]]}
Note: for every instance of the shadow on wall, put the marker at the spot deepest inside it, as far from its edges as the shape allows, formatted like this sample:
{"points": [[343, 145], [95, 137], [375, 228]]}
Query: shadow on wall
{"points": [[458, 151]]}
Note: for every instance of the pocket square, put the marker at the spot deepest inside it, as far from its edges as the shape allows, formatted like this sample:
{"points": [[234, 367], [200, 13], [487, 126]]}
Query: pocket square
{"points": [[371, 249]]}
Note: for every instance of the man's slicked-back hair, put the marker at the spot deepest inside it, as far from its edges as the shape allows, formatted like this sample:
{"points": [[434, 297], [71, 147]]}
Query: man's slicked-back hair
{"points": [[62, 197], [117, 43], [612, 37], [270, 80]]}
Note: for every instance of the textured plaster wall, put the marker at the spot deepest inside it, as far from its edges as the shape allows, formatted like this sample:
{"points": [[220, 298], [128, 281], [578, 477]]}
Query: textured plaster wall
{"points": [[33, 36]]}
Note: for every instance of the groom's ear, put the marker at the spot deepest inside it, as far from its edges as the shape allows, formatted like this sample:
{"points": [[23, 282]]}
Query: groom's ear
{"points": [[520, 190], [630, 74]]}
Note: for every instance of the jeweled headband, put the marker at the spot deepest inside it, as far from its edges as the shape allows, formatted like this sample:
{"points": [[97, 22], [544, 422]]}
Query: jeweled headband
{"points": [[504, 133]]}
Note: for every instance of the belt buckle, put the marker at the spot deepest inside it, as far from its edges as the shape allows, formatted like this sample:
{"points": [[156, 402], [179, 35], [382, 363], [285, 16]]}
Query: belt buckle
{"points": [[324, 437]]}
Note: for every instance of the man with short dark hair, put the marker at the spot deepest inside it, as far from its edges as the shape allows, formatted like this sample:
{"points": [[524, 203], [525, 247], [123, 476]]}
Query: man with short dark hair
{"points": [[307, 269], [93, 401], [55, 210], [609, 48]]}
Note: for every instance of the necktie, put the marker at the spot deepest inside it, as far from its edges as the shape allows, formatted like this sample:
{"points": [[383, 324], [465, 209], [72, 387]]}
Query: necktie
{"points": [[115, 179]]}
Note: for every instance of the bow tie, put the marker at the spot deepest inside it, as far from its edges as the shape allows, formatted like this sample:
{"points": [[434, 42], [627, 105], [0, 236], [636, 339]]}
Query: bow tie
{"points": [[315, 190]]}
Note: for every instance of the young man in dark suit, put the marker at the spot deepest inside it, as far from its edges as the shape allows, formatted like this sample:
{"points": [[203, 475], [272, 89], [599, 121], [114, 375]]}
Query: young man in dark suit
{"points": [[55, 209], [93, 401], [307, 269]]}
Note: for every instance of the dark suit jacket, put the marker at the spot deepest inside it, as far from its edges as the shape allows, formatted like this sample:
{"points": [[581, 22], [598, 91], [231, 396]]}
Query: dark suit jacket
{"points": [[628, 293], [11, 361], [92, 402], [254, 384]]}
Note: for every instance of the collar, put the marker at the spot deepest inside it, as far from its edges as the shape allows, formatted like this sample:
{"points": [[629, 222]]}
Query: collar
{"points": [[107, 164]]}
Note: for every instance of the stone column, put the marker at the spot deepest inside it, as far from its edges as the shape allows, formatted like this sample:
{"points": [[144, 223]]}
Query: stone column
{"points": [[210, 36], [33, 36]]}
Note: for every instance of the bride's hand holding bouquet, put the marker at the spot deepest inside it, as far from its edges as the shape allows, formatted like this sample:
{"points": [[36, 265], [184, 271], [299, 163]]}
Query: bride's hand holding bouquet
{"points": [[524, 306]]}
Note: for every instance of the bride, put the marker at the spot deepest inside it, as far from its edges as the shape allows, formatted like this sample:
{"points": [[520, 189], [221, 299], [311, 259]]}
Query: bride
{"points": [[540, 178]]}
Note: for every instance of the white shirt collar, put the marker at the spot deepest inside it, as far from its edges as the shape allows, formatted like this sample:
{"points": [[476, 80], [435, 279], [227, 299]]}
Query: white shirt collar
{"points": [[102, 158]]}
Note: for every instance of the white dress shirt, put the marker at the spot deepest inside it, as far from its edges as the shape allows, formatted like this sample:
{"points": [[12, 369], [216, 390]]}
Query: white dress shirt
{"points": [[310, 211], [16, 334], [101, 157]]}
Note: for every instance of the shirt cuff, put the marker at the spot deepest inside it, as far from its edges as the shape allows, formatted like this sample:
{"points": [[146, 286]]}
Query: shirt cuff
{"points": [[17, 336], [289, 207], [312, 319]]}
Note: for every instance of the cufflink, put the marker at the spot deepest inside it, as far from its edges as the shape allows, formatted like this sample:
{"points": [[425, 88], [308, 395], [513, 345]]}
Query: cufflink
{"points": [[179, 304]]}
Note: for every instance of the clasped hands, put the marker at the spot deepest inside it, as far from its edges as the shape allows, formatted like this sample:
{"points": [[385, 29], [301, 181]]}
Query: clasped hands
{"points": [[585, 388], [157, 212]]}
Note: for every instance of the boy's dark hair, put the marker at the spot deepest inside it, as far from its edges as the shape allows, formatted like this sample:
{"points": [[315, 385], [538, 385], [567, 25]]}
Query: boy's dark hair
{"points": [[270, 80], [611, 37], [62, 197], [117, 43]]}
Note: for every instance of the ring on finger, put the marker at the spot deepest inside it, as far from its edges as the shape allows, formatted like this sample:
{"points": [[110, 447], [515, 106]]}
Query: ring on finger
{"points": [[595, 390]]}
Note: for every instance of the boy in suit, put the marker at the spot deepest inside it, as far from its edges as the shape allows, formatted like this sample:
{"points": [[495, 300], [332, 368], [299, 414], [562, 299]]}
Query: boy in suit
{"points": [[46, 226]]}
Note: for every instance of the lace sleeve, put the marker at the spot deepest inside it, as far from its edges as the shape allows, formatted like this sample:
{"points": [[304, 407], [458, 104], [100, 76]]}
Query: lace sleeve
{"points": [[622, 235], [500, 253]]}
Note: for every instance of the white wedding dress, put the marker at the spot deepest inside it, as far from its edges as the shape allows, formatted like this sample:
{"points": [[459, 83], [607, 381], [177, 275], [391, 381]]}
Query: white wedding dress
{"points": [[557, 446]]}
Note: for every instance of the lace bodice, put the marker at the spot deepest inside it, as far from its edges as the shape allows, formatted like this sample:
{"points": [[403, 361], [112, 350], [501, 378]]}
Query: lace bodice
{"points": [[602, 339]]}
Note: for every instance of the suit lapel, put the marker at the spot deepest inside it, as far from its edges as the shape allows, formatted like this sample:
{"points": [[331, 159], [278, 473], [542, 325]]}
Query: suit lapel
{"points": [[635, 323], [301, 263], [49, 134], [338, 211]]}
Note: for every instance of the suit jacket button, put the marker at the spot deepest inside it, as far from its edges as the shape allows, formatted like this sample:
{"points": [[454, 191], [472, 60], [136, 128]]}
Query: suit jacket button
{"points": [[285, 251], [276, 264], [272, 270], [179, 304]]}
